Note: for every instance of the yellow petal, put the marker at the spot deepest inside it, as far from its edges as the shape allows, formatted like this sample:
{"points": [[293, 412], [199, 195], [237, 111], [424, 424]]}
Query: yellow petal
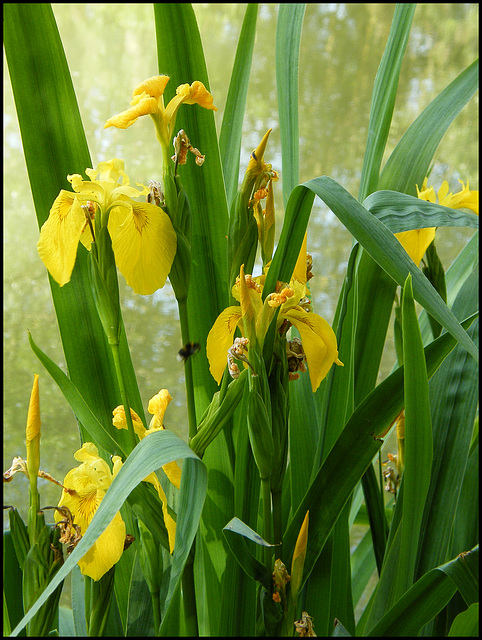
{"points": [[299, 272], [157, 406], [33, 433], [464, 199], [220, 338], [197, 94], [319, 343], [90, 481], [153, 86], [168, 520], [299, 555], [119, 421], [60, 236], [173, 472], [256, 162], [416, 242], [426, 193], [144, 244], [106, 551], [143, 107], [33, 417]]}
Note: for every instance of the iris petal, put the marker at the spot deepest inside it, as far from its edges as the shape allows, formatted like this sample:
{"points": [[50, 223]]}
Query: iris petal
{"points": [[144, 244], [319, 343], [60, 236], [220, 339]]}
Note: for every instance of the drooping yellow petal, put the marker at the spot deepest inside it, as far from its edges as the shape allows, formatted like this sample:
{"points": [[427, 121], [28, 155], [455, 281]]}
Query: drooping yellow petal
{"points": [[60, 236], [142, 107], [144, 244], [197, 94], [106, 551], [157, 407], [173, 472], [119, 421], [168, 520], [416, 242], [220, 339], [319, 343], [146, 101], [89, 483]]}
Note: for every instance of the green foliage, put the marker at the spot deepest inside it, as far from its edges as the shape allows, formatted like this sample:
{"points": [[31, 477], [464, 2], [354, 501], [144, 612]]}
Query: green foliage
{"points": [[263, 452]]}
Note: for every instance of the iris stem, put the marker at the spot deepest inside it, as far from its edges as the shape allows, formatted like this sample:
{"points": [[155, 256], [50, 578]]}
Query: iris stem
{"points": [[189, 597], [156, 608], [277, 524], [267, 530], [191, 408], [123, 392]]}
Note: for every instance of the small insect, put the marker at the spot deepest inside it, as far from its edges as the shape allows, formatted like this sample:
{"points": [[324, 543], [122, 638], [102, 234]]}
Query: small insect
{"points": [[188, 350]]}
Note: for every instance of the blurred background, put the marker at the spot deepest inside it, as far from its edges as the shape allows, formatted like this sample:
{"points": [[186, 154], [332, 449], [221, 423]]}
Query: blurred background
{"points": [[110, 49]]}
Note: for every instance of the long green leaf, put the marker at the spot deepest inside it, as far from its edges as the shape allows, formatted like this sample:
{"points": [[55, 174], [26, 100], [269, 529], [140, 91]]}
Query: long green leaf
{"points": [[410, 160], [401, 212], [418, 443], [383, 96], [466, 624], [231, 128], [288, 36], [150, 454], [54, 145], [454, 393], [424, 600]]}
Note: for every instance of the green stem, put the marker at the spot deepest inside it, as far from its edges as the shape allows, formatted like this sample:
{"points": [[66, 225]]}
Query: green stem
{"points": [[267, 529], [189, 597], [156, 609], [277, 523], [123, 392], [191, 408]]}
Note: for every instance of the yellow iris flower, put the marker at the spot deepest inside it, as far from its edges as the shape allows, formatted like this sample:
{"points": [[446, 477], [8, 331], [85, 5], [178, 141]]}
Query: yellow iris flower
{"points": [[416, 242], [148, 99], [88, 484], [253, 317], [143, 239], [157, 406]]}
